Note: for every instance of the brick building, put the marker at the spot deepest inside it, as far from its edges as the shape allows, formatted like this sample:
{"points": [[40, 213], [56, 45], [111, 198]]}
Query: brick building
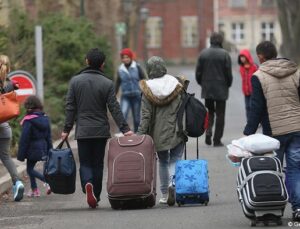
{"points": [[248, 22], [176, 30]]}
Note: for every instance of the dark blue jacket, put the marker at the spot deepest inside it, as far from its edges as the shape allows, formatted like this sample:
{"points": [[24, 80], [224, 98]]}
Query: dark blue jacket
{"points": [[258, 110], [35, 140]]}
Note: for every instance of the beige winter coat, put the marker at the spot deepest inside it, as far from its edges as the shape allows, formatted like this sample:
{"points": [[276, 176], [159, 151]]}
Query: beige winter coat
{"points": [[279, 79]]}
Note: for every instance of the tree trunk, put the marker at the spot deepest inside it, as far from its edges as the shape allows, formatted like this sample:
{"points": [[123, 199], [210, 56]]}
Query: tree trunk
{"points": [[289, 19]]}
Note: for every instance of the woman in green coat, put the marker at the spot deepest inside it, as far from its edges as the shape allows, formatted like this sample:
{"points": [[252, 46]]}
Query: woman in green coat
{"points": [[160, 104]]}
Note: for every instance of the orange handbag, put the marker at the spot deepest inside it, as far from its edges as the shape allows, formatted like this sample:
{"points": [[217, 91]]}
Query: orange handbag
{"points": [[9, 106]]}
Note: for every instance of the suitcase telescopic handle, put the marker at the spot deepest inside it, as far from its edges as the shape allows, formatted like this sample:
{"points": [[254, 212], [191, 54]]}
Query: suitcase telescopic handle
{"points": [[197, 143]]}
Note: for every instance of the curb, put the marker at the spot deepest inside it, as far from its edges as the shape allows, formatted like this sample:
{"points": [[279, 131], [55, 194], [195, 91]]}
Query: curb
{"points": [[6, 182]]}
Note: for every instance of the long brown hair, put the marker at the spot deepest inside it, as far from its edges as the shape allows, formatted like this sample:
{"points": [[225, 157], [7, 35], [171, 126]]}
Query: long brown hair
{"points": [[4, 69]]}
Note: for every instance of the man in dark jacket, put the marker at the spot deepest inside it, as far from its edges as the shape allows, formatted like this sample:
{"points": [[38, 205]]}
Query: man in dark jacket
{"points": [[89, 95], [275, 104], [214, 75]]}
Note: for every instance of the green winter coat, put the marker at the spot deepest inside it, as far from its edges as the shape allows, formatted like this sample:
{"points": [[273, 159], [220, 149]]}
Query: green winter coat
{"points": [[159, 113]]}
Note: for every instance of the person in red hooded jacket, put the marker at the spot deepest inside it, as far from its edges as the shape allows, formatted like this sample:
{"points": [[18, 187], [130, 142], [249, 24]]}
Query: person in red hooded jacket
{"points": [[247, 69]]}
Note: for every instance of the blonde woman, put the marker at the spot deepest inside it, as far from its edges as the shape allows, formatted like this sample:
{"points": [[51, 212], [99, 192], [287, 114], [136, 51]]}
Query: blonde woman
{"points": [[6, 133]]}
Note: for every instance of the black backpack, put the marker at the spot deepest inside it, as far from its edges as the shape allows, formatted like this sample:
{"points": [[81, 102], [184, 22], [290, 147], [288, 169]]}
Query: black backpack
{"points": [[196, 116]]}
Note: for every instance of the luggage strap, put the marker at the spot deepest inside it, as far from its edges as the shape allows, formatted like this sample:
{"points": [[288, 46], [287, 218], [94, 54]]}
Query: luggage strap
{"points": [[249, 177]]}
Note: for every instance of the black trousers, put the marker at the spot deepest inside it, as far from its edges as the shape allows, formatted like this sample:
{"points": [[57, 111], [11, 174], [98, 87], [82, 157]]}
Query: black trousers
{"points": [[216, 108], [91, 155]]}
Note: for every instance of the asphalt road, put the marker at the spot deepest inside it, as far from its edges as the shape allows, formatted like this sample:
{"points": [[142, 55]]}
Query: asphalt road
{"points": [[223, 210]]}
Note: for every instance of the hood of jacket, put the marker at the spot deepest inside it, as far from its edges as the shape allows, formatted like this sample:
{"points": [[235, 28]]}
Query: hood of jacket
{"points": [[161, 91], [246, 53], [279, 68], [38, 119]]}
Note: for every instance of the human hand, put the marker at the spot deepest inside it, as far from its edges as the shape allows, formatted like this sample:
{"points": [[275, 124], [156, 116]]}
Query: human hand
{"points": [[15, 84], [64, 136], [128, 133]]}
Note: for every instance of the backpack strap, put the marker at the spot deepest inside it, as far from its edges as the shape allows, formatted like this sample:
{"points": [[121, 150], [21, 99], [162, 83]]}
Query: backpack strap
{"points": [[180, 113]]}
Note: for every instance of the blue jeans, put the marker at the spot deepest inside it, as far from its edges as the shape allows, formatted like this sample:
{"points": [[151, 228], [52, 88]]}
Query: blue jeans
{"points": [[34, 174], [290, 147], [133, 103], [167, 161], [91, 155]]}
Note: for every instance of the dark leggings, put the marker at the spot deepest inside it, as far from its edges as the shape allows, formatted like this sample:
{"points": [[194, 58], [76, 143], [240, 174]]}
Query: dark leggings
{"points": [[34, 174]]}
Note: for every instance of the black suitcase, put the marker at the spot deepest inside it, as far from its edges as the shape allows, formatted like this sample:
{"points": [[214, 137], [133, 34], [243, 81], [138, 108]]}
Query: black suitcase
{"points": [[60, 170], [261, 189]]}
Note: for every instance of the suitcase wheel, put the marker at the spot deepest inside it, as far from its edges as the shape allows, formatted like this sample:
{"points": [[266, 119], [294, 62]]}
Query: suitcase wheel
{"points": [[253, 223], [179, 204], [206, 203]]}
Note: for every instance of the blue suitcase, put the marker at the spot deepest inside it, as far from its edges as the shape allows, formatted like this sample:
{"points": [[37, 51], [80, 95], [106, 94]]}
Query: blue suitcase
{"points": [[191, 181]]}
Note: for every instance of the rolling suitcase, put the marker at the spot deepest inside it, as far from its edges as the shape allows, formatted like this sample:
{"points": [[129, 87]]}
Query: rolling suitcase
{"points": [[131, 179], [191, 181], [261, 189]]}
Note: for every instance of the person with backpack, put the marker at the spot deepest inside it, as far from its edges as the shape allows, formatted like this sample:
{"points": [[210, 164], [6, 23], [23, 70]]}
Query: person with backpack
{"points": [[89, 96], [128, 77], [161, 100], [247, 68], [214, 75], [6, 132], [35, 142]]}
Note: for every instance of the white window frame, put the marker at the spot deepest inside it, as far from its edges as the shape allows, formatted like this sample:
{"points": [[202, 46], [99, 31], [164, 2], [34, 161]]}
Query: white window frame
{"points": [[189, 31], [154, 32], [238, 34], [268, 30]]}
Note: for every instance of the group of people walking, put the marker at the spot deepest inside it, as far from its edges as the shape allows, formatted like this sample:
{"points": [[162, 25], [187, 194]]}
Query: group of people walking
{"points": [[271, 92]]}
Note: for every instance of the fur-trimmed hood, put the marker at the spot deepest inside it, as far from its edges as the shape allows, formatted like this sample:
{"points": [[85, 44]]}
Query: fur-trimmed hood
{"points": [[161, 91]]}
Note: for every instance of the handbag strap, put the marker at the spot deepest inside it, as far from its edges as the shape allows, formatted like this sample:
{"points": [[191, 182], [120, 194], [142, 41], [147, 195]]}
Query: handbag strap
{"points": [[62, 142]]}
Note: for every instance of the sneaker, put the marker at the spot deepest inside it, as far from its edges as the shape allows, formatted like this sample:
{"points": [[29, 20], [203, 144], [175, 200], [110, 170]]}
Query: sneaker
{"points": [[171, 195], [163, 200], [48, 189], [90, 197], [34, 193], [18, 190], [296, 215]]}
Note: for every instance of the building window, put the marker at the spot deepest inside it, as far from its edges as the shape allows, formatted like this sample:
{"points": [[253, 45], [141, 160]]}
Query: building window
{"points": [[189, 31], [267, 3], [154, 32], [238, 32], [237, 3], [267, 31]]}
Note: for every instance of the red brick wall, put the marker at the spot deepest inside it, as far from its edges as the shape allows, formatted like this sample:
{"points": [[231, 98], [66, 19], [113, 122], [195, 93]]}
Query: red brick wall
{"points": [[171, 11]]}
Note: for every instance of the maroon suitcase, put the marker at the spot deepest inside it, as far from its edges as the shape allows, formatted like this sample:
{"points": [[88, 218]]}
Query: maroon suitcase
{"points": [[131, 181]]}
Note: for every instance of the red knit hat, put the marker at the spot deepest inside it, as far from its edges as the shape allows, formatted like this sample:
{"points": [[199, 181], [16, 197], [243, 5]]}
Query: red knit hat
{"points": [[127, 52]]}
